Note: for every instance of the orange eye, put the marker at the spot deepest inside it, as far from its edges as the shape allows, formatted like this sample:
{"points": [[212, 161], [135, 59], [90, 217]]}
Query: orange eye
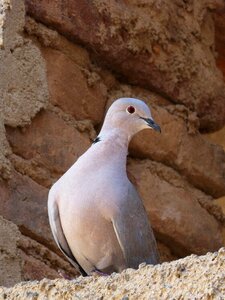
{"points": [[130, 109]]}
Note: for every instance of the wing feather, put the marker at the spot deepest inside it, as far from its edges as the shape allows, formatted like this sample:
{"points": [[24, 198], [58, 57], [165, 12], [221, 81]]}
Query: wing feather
{"points": [[134, 233], [56, 227]]}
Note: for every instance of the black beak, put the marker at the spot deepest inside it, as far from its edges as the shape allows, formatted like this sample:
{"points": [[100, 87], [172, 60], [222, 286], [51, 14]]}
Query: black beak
{"points": [[151, 123]]}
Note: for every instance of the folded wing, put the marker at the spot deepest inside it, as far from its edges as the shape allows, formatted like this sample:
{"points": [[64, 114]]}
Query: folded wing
{"points": [[134, 232], [55, 224]]}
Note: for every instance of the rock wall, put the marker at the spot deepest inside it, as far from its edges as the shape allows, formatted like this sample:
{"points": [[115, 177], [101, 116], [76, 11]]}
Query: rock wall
{"points": [[10, 260], [62, 65], [188, 278], [167, 46]]}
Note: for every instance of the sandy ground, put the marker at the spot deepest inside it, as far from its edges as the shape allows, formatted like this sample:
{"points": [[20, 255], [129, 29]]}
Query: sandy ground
{"points": [[194, 277]]}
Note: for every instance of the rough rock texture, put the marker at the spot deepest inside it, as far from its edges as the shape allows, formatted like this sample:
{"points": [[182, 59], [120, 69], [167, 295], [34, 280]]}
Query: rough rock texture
{"points": [[149, 43], [189, 278], [176, 147], [54, 94], [219, 138], [10, 261], [219, 18], [38, 261], [23, 258], [30, 199], [23, 88], [173, 205], [82, 100], [39, 145]]}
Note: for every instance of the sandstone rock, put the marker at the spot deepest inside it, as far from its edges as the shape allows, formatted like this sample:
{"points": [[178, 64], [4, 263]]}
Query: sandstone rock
{"points": [[221, 203], [171, 54], [70, 65], [39, 261], [82, 99], [24, 84], [174, 210], [35, 269], [5, 164], [217, 138], [49, 143], [23, 88], [165, 46], [24, 202], [119, 90], [5, 5], [10, 261], [12, 22], [165, 253], [219, 18], [179, 138], [189, 278], [50, 38], [201, 162], [22, 258]]}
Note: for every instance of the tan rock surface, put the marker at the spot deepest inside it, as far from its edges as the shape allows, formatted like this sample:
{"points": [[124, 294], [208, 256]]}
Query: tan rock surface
{"points": [[81, 100], [5, 164], [49, 143], [10, 261], [23, 88], [54, 96], [202, 163], [190, 278], [219, 138], [38, 261], [22, 258], [149, 44], [219, 18], [172, 205], [177, 144], [23, 201]]}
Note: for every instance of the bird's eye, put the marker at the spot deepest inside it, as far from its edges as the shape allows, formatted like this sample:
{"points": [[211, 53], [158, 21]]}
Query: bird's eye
{"points": [[130, 109]]}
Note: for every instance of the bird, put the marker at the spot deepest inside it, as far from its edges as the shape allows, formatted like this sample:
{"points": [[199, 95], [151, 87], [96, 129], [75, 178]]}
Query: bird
{"points": [[95, 213]]}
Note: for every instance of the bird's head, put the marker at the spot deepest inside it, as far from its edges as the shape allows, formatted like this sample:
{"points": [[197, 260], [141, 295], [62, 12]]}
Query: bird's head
{"points": [[130, 115]]}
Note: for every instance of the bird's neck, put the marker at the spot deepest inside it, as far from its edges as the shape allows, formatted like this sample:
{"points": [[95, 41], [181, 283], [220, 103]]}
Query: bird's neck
{"points": [[113, 144], [115, 136]]}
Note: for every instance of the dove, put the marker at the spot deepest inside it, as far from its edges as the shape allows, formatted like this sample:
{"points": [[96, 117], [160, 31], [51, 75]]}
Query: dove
{"points": [[95, 213]]}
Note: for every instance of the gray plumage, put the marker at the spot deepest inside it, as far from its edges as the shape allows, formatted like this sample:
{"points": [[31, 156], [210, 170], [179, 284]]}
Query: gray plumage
{"points": [[96, 215]]}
